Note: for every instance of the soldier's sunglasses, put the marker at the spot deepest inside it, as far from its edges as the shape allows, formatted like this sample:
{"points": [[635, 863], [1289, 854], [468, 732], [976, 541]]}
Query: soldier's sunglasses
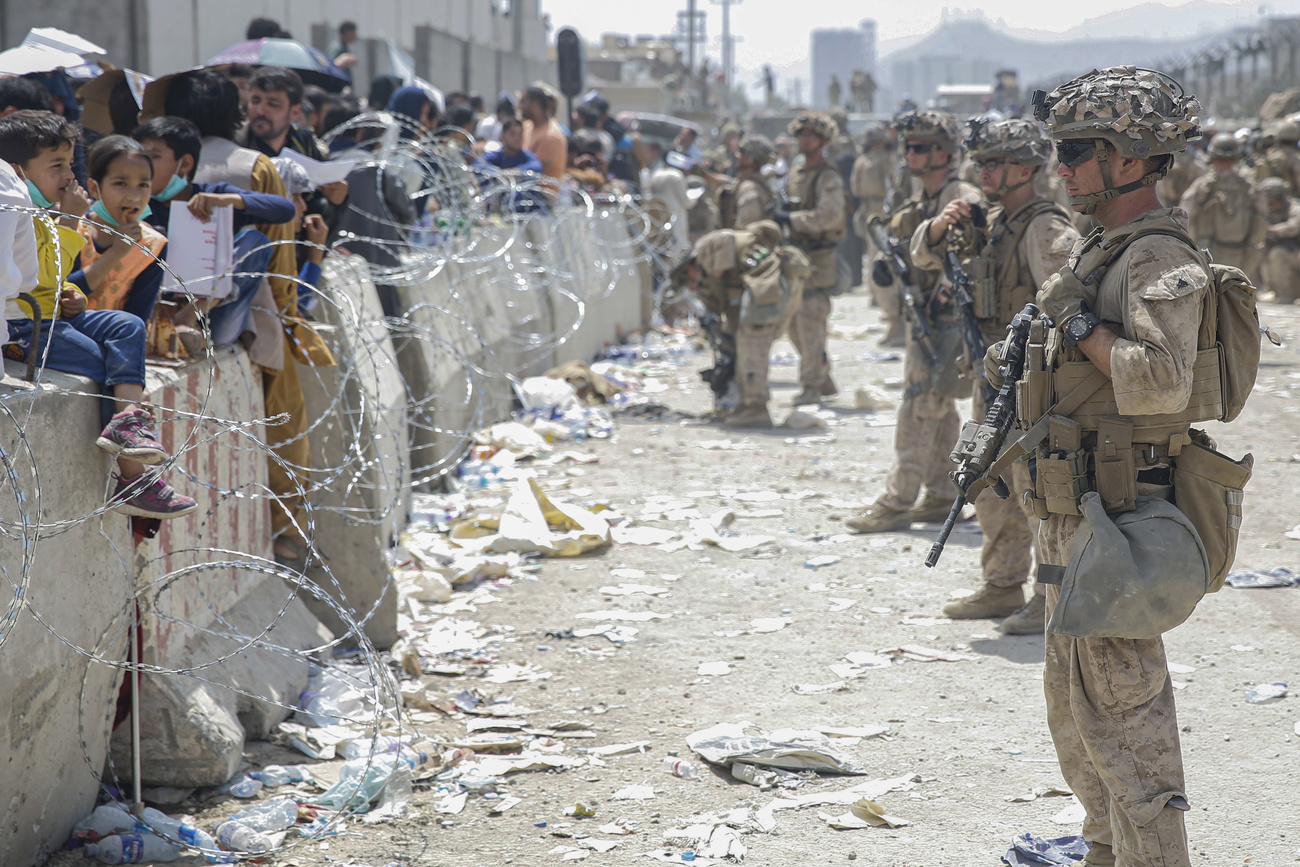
{"points": [[1075, 153], [919, 147], [992, 165]]}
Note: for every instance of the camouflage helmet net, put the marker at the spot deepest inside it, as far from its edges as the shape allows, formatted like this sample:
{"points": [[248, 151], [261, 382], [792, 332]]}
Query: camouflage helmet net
{"points": [[1273, 188], [872, 133], [819, 123], [757, 148], [1226, 146], [1015, 139], [938, 127], [1141, 113]]}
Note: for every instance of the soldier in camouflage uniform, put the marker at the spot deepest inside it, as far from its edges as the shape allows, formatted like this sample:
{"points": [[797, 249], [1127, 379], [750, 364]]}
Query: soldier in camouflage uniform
{"points": [[1282, 158], [1225, 211], [1110, 703], [814, 216], [1282, 244], [1188, 166], [927, 421], [747, 198], [870, 184], [1028, 239], [754, 283], [723, 155]]}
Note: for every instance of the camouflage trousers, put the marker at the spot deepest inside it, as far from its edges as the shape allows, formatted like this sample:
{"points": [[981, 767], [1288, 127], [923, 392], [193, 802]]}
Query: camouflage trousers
{"points": [[1010, 526], [1282, 273], [808, 334], [926, 432], [1110, 709], [753, 355], [889, 302]]}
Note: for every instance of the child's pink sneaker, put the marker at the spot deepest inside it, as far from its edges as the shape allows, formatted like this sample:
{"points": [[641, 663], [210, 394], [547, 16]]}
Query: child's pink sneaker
{"points": [[149, 496], [130, 435]]}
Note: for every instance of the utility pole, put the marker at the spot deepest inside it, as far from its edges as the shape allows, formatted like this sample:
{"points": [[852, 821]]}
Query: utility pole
{"points": [[728, 47], [690, 35]]}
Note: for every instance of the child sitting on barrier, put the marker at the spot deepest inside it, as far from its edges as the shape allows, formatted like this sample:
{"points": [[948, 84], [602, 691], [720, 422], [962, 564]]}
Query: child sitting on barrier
{"points": [[175, 144], [106, 346]]}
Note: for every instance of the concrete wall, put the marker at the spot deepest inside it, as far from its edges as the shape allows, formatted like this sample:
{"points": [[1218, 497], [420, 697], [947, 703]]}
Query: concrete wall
{"points": [[491, 307]]}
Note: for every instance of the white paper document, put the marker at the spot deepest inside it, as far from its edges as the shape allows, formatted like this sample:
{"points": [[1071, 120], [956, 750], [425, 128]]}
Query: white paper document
{"points": [[319, 172], [200, 255]]}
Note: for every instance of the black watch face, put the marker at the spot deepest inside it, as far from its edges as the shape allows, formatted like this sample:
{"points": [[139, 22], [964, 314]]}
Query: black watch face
{"points": [[1078, 327]]}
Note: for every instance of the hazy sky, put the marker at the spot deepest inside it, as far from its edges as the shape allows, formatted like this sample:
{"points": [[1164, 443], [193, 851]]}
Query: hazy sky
{"points": [[776, 31]]}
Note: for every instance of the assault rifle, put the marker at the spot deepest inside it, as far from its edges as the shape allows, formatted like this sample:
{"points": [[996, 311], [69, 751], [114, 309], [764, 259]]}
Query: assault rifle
{"points": [[981, 444], [964, 306], [723, 372], [896, 266]]}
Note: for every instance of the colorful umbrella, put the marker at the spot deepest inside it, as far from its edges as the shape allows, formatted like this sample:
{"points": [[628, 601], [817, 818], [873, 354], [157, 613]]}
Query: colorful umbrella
{"points": [[308, 62]]}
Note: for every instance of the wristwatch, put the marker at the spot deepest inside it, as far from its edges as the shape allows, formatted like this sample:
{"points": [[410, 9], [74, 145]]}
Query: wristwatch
{"points": [[1079, 326]]}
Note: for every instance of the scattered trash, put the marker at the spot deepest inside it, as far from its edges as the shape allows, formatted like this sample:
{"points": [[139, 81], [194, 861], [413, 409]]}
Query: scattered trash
{"points": [[506, 803], [714, 669], [533, 523], [1073, 814], [820, 689], [726, 743], [800, 420], [633, 589], [1245, 579], [871, 398], [619, 615], [580, 811], [131, 849], [681, 768], [823, 560], [619, 749], [643, 535], [1031, 851], [1265, 693], [921, 653], [838, 605], [634, 793], [764, 625], [863, 813], [726, 445], [872, 790], [1038, 792]]}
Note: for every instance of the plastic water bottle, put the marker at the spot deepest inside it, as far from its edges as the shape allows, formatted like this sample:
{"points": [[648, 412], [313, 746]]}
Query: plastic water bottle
{"points": [[680, 768], [132, 849], [107, 819], [177, 829], [273, 815], [241, 838], [279, 775], [245, 787]]}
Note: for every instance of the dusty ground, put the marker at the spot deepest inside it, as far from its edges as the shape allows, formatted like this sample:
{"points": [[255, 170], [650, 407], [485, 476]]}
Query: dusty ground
{"points": [[972, 732]]}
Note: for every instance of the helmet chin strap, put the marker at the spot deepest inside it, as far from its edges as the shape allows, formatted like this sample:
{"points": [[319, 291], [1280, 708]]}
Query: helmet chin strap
{"points": [[1003, 188], [1108, 192], [929, 164]]}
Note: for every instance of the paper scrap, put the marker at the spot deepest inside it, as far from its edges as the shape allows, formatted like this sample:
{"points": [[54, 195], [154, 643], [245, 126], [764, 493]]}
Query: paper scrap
{"points": [[864, 813], [714, 669], [634, 793]]}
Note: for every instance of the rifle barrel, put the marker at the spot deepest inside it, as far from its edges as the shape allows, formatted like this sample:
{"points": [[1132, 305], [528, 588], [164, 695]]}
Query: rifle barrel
{"points": [[936, 550]]}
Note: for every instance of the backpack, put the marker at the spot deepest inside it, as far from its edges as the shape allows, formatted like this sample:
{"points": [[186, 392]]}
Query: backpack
{"points": [[1229, 317]]}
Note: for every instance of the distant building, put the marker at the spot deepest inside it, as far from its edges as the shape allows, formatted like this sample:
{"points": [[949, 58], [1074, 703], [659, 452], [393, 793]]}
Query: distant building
{"points": [[839, 52]]}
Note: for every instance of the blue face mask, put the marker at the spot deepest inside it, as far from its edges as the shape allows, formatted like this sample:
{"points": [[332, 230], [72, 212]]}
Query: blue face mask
{"points": [[38, 198], [100, 211], [173, 189]]}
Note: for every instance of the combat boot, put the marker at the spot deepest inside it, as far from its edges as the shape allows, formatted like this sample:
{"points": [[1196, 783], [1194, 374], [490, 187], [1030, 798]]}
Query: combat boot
{"points": [[990, 601], [806, 397], [879, 518], [828, 388], [749, 415], [1029, 620], [893, 338], [933, 508]]}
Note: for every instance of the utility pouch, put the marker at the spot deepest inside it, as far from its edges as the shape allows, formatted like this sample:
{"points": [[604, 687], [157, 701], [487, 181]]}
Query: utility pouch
{"points": [[984, 287], [1062, 468], [1209, 488], [1115, 465]]}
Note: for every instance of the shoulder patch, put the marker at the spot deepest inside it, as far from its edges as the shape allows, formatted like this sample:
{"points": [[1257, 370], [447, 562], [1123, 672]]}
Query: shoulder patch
{"points": [[1174, 283]]}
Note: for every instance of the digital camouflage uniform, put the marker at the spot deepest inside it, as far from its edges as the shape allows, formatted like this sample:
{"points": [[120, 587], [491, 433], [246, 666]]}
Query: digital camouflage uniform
{"points": [[748, 199], [1022, 249], [1225, 211], [869, 182], [928, 423], [1282, 160], [726, 258], [1110, 703], [1282, 244], [817, 224]]}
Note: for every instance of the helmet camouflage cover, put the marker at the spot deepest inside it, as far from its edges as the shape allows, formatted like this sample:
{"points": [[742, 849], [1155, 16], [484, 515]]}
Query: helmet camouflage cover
{"points": [[1273, 188], [1226, 146], [758, 148], [938, 127], [872, 133], [816, 121], [1142, 113], [1015, 139]]}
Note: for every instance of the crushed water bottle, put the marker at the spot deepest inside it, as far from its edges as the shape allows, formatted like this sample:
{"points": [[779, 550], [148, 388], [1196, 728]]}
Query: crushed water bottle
{"points": [[680, 768], [268, 816], [176, 829], [107, 819], [132, 849], [241, 838], [244, 787], [279, 775]]}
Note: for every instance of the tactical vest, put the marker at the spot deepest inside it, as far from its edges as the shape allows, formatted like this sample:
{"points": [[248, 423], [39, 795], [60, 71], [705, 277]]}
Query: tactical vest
{"points": [[1003, 282], [729, 196], [803, 189], [903, 224], [1089, 444], [1231, 213], [721, 294]]}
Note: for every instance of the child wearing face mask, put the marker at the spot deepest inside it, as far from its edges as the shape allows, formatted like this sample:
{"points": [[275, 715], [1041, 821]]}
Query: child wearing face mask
{"points": [[119, 267], [106, 346]]}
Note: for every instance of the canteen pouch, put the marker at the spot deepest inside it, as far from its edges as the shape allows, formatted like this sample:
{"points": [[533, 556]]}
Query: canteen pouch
{"points": [[1115, 465], [1063, 468], [985, 287], [1209, 488]]}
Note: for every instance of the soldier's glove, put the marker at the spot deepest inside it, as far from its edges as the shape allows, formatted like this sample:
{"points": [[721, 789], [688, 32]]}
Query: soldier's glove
{"points": [[781, 217], [1063, 295], [992, 367]]}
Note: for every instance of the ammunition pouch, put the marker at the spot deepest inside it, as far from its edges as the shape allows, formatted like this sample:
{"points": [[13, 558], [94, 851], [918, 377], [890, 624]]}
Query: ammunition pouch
{"points": [[1209, 488], [984, 287]]}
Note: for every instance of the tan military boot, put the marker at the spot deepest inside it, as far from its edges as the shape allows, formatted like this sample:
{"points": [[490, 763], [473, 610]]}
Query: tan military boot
{"points": [[808, 396], [1031, 619], [828, 388], [988, 601], [879, 518], [893, 338], [933, 508], [749, 415]]}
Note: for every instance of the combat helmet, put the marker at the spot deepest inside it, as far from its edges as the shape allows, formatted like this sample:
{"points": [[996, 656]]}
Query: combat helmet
{"points": [[938, 128], [758, 148], [1016, 140], [872, 133], [1273, 188], [1288, 130], [1141, 113], [816, 121], [1226, 146]]}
